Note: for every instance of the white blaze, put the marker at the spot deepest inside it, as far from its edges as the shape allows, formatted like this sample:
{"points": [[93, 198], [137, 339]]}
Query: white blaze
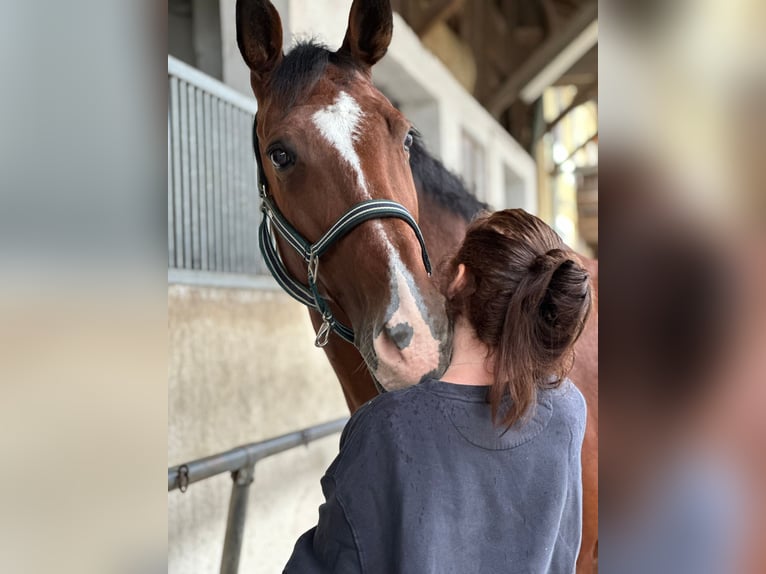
{"points": [[402, 368], [339, 125]]}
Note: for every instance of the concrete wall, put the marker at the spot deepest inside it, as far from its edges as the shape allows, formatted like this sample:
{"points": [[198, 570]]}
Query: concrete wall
{"points": [[242, 368]]}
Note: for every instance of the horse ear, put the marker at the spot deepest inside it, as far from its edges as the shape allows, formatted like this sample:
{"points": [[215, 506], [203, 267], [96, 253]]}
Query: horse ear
{"points": [[259, 37], [370, 26]]}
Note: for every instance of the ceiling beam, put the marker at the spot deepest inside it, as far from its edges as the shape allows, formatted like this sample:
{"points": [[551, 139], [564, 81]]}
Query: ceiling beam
{"points": [[435, 12], [553, 20], [559, 52], [584, 94], [557, 167]]}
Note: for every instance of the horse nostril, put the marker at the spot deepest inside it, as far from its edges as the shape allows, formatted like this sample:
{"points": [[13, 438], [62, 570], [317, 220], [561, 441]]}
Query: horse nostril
{"points": [[400, 334]]}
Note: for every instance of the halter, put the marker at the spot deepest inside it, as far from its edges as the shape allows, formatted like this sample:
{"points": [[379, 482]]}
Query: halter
{"points": [[310, 296]]}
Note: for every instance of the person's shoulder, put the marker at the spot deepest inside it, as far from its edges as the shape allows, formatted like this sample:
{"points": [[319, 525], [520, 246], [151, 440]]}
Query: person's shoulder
{"points": [[377, 433], [379, 416], [569, 395], [568, 404]]}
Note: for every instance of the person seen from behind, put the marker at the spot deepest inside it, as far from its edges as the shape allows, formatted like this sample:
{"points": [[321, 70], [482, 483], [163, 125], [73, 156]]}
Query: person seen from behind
{"points": [[478, 471]]}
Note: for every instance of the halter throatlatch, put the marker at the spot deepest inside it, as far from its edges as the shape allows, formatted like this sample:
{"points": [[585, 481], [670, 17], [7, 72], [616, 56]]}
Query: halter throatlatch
{"points": [[273, 220]]}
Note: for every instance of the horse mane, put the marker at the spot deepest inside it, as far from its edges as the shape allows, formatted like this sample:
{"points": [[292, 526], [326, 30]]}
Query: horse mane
{"points": [[441, 185], [300, 70]]}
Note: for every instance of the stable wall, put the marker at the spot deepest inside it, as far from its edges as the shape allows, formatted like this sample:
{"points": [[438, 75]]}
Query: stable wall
{"points": [[243, 368]]}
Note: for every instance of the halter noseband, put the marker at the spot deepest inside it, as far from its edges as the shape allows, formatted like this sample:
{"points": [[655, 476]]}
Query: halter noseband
{"points": [[310, 296]]}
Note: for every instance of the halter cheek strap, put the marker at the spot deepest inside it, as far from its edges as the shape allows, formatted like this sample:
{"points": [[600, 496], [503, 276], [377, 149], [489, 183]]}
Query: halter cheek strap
{"points": [[309, 295]]}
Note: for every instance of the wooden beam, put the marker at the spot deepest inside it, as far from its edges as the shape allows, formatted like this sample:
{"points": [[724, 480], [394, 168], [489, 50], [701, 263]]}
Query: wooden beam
{"points": [[479, 47], [498, 44], [406, 10], [552, 18], [528, 35], [435, 12], [552, 47], [593, 138], [584, 94]]}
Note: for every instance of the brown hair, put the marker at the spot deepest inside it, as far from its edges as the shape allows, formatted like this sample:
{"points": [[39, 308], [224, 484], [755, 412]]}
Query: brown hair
{"points": [[527, 297]]}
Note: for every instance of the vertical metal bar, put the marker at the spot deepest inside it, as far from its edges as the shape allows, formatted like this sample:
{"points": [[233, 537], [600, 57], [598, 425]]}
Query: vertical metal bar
{"points": [[171, 233], [235, 523], [217, 182], [193, 176], [252, 194], [237, 210], [225, 190], [240, 170], [177, 187], [232, 189], [202, 170], [209, 202], [184, 115], [247, 196], [237, 118], [237, 189]]}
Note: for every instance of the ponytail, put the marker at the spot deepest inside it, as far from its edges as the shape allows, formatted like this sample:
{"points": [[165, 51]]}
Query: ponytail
{"points": [[528, 301]]}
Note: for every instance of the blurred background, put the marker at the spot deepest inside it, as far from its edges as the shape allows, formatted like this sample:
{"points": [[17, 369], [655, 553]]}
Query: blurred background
{"points": [[111, 329], [682, 455]]}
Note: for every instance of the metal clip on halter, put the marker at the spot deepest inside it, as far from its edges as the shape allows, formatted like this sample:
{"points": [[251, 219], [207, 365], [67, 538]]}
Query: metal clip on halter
{"points": [[323, 335], [313, 267]]}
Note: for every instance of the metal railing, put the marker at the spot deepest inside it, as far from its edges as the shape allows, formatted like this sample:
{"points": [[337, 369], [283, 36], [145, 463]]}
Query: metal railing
{"points": [[213, 211], [240, 461]]}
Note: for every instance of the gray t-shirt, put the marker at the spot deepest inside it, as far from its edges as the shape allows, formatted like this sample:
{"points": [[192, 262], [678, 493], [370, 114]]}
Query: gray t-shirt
{"points": [[425, 483]]}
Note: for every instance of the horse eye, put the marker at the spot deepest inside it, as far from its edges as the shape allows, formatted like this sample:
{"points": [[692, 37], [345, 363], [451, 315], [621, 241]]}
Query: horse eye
{"points": [[280, 158], [408, 139]]}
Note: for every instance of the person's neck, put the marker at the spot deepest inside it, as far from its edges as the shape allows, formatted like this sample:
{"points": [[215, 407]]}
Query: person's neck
{"points": [[470, 364]]}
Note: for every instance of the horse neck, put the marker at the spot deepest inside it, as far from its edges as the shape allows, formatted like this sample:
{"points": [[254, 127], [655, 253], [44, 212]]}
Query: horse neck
{"points": [[445, 206], [443, 230], [354, 377]]}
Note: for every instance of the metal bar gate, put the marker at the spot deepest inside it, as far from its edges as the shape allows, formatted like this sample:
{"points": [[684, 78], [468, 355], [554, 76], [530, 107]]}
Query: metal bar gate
{"points": [[240, 461], [213, 204]]}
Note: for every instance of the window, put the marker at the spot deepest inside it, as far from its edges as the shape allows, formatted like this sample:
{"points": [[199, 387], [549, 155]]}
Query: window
{"points": [[472, 154], [513, 185]]}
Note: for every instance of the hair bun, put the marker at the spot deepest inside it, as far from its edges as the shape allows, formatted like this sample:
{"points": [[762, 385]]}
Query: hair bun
{"points": [[548, 261], [565, 301]]}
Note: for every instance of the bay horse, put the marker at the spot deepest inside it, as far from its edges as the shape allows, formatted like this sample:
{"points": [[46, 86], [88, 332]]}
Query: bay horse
{"points": [[331, 146]]}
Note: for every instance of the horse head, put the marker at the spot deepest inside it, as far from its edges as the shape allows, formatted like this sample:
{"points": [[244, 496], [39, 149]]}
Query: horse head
{"points": [[328, 141]]}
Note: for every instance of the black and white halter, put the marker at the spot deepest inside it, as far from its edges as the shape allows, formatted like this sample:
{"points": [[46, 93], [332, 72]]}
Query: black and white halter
{"points": [[309, 294]]}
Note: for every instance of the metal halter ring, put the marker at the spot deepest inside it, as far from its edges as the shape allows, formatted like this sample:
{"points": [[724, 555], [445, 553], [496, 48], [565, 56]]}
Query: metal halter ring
{"points": [[313, 267]]}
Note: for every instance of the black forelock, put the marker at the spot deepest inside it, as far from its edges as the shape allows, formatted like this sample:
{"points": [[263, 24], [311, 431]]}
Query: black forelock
{"points": [[302, 67]]}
